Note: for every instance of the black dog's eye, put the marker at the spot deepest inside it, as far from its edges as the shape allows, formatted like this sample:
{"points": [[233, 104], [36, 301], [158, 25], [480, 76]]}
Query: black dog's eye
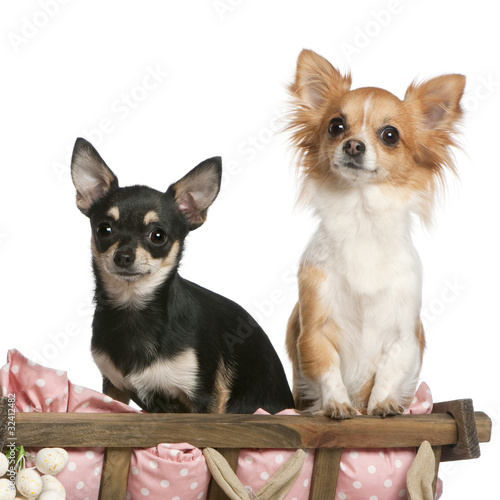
{"points": [[157, 236], [104, 230], [336, 127], [390, 136]]}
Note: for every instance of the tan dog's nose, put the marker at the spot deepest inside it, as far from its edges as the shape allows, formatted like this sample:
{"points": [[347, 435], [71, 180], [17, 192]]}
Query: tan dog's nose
{"points": [[354, 148]]}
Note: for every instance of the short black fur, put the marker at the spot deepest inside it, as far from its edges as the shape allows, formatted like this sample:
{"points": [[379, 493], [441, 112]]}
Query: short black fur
{"points": [[143, 321]]}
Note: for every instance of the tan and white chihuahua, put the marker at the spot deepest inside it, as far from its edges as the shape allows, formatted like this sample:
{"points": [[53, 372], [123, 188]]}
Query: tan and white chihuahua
{"points": [[368, 161]]}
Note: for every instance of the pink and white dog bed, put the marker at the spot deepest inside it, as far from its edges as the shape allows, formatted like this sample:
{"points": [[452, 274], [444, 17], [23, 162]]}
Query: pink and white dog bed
{"points": [[178, 471]]}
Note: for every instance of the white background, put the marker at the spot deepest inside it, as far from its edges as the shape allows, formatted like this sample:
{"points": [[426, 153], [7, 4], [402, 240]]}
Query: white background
{"points": [[78, 68]]}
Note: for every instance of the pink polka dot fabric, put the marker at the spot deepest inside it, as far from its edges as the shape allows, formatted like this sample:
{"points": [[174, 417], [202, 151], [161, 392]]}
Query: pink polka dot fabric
{"points": [[41, 389], [255, 467], [179, 471], [365, 474], [170, 471], [380, 474], [173, 471]]}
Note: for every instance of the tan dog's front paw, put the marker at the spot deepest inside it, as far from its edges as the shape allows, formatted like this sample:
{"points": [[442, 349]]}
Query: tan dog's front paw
{"points": [[339, 411], [388, 406]]}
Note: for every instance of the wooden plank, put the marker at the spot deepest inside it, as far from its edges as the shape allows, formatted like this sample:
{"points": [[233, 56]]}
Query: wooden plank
{"points": [[325, 473], [231, 455], [115, 473], [238, 431]]}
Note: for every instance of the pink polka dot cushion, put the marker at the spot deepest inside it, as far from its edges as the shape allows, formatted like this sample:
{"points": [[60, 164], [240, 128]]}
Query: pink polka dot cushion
{"points": [[179, 471], [365, 474], [169, 471], [40, 389], [380, 474], [255, 467]]}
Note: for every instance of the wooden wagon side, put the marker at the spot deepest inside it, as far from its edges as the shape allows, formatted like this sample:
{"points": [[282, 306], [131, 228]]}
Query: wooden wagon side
{"points": [[453, 429]]}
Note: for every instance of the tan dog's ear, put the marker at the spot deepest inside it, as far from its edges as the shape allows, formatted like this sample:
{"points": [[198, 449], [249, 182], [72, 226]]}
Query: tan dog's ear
{"points": [[438, 101], [317, 82], [434, 105]]}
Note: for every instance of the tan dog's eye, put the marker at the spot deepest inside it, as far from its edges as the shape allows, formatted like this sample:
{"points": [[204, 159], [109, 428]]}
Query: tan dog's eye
{"points": [[336, 127], [390, 136]]}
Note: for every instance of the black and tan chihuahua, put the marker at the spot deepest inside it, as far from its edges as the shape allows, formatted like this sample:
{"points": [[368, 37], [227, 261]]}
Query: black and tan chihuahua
{"points": [[158, 339]]}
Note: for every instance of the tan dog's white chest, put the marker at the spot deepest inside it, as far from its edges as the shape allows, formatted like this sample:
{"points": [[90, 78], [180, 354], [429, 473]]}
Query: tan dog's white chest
{"points": [[363, 243], [371, 287]]}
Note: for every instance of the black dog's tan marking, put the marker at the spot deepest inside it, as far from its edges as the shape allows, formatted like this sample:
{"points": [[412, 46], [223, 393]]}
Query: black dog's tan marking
{"points": [[158, 339]]}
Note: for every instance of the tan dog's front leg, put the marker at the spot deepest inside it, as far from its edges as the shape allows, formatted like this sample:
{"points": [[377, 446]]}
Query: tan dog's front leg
{"points": [[318, 384]]}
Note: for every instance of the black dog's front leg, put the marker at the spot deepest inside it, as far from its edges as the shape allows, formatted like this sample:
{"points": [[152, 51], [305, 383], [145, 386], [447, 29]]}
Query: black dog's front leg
{"points": [[161, 403], [113, 392]]}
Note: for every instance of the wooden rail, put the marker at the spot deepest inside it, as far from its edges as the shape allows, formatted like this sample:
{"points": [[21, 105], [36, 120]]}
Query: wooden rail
{"points": [[455, 432], [129, 430]]}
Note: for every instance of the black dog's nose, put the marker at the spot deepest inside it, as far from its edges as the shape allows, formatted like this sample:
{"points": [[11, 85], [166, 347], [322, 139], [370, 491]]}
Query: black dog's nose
{"points": [[124, 258], [354, 148]]}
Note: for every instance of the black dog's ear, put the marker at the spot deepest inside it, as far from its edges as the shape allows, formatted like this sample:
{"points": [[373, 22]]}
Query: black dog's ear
{"points": [[91, 176], [197, 190]]}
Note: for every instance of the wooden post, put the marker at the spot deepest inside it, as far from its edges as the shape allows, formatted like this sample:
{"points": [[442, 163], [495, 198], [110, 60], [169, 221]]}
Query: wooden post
{"points": [[325, 473], [231, 455], [115, 473], [467, 445]]}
